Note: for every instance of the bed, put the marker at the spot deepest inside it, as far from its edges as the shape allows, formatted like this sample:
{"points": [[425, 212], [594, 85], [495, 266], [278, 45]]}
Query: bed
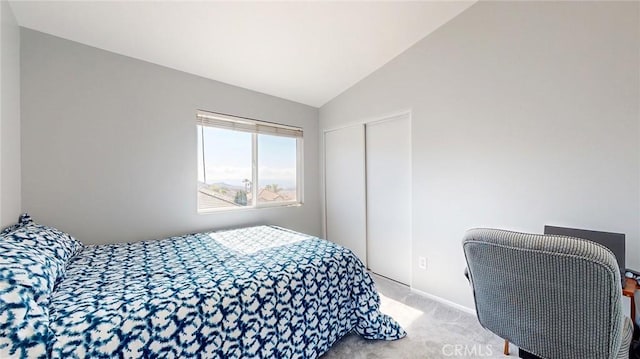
{"points": [[257, 292]]}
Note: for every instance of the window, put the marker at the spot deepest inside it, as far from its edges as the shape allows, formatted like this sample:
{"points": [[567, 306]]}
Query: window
{"points": [[244, 163]]}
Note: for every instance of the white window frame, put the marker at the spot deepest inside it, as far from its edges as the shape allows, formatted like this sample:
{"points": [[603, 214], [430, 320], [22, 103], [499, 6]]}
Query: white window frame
{"points": [[255, 127]]}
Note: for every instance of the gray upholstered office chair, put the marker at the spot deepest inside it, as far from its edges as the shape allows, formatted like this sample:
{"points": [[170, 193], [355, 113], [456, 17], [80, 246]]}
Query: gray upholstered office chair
{"points": [[555, 297]]}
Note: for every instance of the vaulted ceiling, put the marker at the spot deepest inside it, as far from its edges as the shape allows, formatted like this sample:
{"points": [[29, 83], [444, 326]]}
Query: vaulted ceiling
{"points": [[307, 52]]}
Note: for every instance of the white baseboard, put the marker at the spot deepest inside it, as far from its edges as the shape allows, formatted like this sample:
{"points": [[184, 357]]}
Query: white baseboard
{"points": [[444, 301]]}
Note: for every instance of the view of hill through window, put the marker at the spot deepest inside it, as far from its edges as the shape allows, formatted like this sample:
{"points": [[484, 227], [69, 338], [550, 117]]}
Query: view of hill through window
{"points": [[225, 168]]}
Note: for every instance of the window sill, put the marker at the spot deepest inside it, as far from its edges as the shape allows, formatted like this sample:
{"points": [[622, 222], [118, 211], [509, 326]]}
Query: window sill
{"points": [[244, 209]]}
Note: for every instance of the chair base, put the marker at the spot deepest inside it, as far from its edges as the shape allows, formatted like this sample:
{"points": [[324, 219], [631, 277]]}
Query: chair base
{"points": [[526, 355]]}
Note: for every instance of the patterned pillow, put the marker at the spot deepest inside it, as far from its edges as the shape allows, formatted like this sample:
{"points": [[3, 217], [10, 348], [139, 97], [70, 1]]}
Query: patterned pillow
{"points": [[57, 246], [29, 268], [26, 282], [22, 221], [33, 258]]}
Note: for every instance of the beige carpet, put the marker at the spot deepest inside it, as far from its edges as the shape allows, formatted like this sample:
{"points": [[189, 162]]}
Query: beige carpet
{"points": [[434, 330]]}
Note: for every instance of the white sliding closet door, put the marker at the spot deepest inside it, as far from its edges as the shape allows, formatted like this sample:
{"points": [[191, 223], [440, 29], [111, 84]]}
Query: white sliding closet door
{"points": [[388, 158], [345, 196]]}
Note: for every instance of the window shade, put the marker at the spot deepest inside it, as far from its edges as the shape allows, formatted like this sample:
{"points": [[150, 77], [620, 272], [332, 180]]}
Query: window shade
{"points": [[228, 122]]}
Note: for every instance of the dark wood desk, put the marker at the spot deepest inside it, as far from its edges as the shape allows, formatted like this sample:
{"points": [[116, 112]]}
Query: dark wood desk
{"points": [[629, 290]]}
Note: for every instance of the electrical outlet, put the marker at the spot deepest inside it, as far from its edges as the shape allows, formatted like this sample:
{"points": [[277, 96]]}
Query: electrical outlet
{"points": [[422, 263]]}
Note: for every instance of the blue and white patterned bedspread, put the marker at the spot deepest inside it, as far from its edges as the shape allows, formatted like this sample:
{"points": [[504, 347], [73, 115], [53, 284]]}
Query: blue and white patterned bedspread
{"points": [[254, 292]]}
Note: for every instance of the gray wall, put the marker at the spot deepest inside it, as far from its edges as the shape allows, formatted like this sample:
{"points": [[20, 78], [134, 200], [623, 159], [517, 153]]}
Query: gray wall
{"points": [[10, 203], [109, 144], [524, 114]]}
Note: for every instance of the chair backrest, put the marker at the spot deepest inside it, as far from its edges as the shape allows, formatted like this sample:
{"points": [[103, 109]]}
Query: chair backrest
{"points": [[554, 296]]}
